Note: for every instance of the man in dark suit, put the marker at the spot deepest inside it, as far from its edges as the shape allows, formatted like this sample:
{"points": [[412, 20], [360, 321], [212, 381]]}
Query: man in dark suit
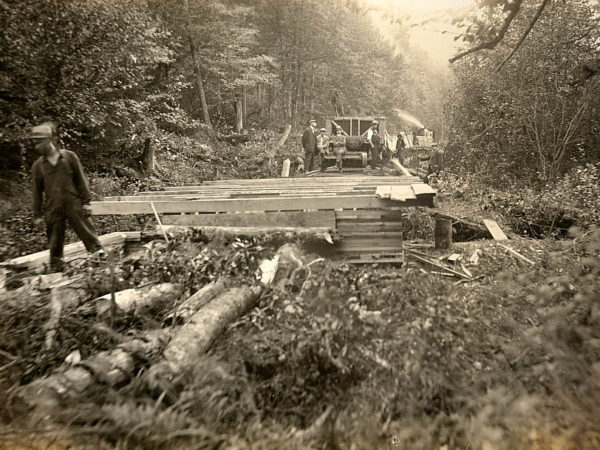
{"points": [[309, 144]]}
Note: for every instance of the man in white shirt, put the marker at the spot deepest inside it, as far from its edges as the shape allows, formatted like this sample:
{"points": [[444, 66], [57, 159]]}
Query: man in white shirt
{"points": [[374, 141]]}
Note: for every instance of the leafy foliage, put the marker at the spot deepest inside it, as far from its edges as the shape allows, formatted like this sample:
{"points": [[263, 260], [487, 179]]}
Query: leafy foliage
{"points": [[528, 120]]}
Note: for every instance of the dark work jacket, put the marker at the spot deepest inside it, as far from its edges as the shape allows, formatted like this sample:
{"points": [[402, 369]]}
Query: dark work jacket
{"points": [[309, 140], [62, 184]]}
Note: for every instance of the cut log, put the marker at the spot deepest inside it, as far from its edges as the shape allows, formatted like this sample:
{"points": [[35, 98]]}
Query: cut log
{"points": [[202, 297], [63, 294], [194, 338], [135, 299], [109, 367], [314, 233]]}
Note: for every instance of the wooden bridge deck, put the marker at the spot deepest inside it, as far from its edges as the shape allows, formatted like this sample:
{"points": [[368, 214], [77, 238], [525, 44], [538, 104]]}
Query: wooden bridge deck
{"points": [[365, 210]]}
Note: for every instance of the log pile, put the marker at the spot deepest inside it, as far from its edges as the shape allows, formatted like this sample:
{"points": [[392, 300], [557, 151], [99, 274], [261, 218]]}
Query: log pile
{"points": [[175, 345]]}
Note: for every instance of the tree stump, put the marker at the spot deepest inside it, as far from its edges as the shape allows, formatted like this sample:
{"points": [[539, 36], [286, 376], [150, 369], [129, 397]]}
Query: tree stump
{"points": [[443, 233]]}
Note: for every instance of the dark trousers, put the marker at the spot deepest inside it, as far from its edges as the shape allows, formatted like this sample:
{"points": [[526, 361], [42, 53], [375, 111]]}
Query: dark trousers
{"points": [[56, 227], [376, 155], [309, 161]]}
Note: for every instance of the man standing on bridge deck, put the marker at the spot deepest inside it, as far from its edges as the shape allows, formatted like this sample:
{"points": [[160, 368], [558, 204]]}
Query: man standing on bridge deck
{"points": [[58, 174], [374, 142], [322, 147], [309, 143], [338, 141]]}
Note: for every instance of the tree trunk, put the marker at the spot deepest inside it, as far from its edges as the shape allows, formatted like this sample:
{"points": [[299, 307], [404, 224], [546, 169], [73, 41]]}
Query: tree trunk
{"points": [[239, 119], [148, 160], [244, 104], [284, 137], [312, 92], [196, 61]]}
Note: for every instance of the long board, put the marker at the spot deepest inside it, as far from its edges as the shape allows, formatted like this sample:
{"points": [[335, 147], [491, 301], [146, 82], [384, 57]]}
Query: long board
{"points": [[252, 204]]}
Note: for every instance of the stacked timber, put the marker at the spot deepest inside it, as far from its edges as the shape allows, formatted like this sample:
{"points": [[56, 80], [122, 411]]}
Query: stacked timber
{"points": [[297, 203]]}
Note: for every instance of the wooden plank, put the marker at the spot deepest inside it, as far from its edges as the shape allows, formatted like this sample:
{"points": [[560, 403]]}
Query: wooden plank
{"points": [[393, 213], [365, 249], [329, 183], [366, 258], [347, 179], [368, 228], [361, 234], [240, 194], [495, 230], [402, 193], [324, 219], [422, 189], [251, 204], [383, 191], [71, 251]]}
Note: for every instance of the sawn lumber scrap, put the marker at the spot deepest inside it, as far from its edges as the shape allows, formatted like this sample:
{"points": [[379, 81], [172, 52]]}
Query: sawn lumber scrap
{"points": [[495, 230]]}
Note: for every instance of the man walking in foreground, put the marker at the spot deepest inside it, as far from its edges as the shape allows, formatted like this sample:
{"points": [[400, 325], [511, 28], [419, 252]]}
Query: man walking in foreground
{"points": [[309, 143], [58, 174]]}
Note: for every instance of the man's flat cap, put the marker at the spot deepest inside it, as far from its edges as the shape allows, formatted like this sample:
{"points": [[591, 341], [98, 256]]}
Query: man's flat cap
{"points": [[322, 129], [43, 131], [312, 120]]}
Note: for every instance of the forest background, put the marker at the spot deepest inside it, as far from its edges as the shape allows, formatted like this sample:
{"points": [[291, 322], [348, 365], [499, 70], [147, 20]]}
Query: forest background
{"points": [[179, 76]]}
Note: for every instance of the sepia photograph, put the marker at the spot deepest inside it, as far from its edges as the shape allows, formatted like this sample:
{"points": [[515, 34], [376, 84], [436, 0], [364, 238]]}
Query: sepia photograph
{"points": [[300, 224]]}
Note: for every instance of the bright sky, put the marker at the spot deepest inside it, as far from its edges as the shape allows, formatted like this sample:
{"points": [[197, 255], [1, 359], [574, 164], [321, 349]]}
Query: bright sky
{"points": [[436, 37]]}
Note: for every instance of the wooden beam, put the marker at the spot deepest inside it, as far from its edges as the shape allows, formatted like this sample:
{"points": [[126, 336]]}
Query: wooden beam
{"points": [[285, 170], [325, 219], [251, 204]]}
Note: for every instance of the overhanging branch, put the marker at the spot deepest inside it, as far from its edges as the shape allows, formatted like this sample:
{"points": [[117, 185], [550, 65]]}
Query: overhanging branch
{"points": [[516, 7], [527, 31]]}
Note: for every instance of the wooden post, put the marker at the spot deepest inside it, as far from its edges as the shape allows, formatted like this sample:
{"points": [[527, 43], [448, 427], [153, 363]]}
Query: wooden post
{"points": [[285, 170], [443, 233]]}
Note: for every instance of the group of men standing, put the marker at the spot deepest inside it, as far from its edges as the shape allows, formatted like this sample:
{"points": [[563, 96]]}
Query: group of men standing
{"points": [[316, 145]]}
